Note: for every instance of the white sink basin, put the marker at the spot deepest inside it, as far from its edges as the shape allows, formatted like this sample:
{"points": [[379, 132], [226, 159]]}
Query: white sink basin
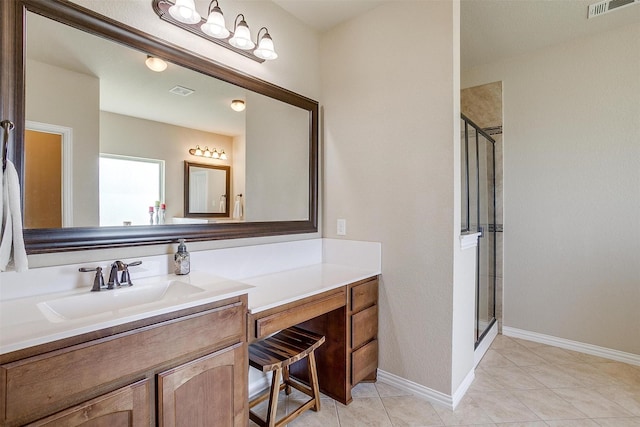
{"points": [[89, 304]]}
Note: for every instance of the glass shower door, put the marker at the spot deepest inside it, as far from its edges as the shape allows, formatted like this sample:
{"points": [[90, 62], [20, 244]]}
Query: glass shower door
{"points": [[478, 215]]}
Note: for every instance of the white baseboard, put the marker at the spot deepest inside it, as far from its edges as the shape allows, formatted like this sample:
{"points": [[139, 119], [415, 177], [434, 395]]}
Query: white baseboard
{"points": [[427, 393], [480, 351], [594, 350]]}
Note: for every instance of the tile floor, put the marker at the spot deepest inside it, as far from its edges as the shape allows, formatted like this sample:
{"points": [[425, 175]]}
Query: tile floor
{"points": [[518, 383]]}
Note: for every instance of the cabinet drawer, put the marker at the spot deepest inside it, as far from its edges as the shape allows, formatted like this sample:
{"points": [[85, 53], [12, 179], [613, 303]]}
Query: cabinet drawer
{"points": [[41, 384], [127, 406], [364, 361], [294, 315], [364, 295], [364, 326]]}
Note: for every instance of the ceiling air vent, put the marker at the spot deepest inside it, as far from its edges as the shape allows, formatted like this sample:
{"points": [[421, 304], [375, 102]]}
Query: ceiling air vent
{"points": [[605, 6], [182, 91]]}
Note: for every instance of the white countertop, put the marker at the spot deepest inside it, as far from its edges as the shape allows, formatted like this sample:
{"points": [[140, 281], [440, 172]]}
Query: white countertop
{"points": [[30, 321], [272, 290]]}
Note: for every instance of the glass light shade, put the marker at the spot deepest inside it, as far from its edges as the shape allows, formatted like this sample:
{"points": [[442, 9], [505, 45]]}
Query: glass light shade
{"points": [[215, 25], [207, 153], [265, 48], [185, 11], [242, 37], [198, 151], [215, 154], [223, 155], [237, 105], [155, 64]]}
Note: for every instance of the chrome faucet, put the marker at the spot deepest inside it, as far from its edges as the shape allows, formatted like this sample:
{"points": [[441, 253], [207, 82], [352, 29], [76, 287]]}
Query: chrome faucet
{"points": [[98, 281], [125, 277]]}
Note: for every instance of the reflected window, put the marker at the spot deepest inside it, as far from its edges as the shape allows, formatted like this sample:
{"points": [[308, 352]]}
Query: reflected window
{"points": [[128, 187]]}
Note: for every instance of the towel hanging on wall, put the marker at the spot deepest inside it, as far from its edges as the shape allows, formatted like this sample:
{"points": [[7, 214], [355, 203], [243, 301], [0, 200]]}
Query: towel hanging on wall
{"points": [[11, 215], [237, 207]]}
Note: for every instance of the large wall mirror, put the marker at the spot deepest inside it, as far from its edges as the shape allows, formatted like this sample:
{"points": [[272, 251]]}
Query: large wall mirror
{"points": [[113, 133]]}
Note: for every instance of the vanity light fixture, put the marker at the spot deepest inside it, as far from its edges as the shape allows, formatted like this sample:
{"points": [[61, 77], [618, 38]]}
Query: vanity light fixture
{"points": [[155, 64], [237, 105], [183, 14], [215, 154]]}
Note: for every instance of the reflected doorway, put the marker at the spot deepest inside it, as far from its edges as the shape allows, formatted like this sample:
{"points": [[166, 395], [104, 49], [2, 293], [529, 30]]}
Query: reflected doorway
{"points": [[47, 183]]}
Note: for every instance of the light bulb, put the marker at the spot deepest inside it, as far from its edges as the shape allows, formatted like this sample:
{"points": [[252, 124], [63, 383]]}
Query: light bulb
{"points": [[265, 48], [223, 155], [215, 154], [185, 11], [237, 105], [242, 36], [215, 25], [155, 64]]}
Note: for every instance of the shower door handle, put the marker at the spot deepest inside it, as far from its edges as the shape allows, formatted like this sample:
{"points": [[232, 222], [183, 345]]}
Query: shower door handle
{"points": [[481, 231]]}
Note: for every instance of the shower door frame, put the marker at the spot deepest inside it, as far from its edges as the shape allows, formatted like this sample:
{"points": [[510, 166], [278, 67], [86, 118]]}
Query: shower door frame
{"points": [[491, 226]]}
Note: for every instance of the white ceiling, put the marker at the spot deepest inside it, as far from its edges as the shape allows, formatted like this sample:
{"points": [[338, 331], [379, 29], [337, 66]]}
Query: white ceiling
{"points": [[324, 14], [490, 29], [498, 29]]}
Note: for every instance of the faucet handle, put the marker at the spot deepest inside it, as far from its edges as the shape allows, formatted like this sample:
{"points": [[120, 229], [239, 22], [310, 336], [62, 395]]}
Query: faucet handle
{"points": [[98, 281], [125, 278]]}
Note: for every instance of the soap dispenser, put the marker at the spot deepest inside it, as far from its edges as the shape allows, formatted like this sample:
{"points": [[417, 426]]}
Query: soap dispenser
{"points": [[181, 259]]}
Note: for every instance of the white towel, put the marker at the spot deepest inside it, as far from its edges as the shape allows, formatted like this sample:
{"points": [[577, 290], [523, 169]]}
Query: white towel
{"points": [[237, 208], [11, 221]]}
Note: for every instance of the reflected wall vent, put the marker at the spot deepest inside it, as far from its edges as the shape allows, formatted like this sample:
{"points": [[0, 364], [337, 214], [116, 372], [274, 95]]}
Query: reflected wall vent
{"points": [[606, 6]]}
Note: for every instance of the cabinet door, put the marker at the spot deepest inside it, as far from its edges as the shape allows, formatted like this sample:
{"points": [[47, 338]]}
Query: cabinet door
{"points": [[208, 392], [125, 407]]}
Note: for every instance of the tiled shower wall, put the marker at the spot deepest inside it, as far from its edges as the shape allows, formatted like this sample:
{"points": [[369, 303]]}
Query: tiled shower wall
{"points": [[483, 105]]}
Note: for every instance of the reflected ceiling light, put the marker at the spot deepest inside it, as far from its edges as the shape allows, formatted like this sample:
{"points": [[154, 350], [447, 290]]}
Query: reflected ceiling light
{"points": [[185, 11], [237, 105], [215, 26], [215, 154], [241, 34], [155, 64], [183, 14], [265, 48]]}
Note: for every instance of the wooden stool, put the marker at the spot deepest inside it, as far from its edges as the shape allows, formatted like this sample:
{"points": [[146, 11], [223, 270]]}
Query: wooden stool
{"points": [[276, 353]]}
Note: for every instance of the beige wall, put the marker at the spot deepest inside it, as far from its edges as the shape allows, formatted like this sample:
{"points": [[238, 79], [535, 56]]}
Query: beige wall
{"points": [[277, 164], [80, 112], [130, 136], [389, 155], [572, 188]]}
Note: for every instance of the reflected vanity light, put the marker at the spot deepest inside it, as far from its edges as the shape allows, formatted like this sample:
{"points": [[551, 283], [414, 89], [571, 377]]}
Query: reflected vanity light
{"points": [[215, 154], [237, 105], [155, 64], [183, 14]]}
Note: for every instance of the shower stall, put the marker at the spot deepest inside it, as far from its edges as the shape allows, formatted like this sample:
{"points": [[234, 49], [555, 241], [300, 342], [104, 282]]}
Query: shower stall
{"points": [[479, 215]]}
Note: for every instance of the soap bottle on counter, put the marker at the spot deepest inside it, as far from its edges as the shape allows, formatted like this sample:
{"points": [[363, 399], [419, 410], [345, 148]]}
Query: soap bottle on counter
{"points": [[181, 259]]}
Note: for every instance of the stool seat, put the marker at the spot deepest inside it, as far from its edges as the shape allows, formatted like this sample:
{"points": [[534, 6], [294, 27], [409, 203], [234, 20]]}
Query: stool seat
{"points": [[275, 353]]}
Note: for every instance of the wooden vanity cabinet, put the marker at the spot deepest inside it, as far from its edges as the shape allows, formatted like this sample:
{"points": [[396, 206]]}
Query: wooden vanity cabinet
{"points": [[348, 318], [193, 362], [363, 319]]}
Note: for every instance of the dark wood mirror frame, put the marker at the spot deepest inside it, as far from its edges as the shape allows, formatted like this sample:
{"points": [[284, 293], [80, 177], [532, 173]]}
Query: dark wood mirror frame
{"points": [[12, 107], [187, 190]]}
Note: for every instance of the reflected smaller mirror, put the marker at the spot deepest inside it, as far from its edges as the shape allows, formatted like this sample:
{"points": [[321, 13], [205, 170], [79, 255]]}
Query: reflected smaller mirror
{"points": [[206, 190]]}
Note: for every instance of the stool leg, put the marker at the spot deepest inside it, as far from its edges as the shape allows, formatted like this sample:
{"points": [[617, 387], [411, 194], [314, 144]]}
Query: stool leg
{"points": [[273, 399], [313, 380], [285, 378]]}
